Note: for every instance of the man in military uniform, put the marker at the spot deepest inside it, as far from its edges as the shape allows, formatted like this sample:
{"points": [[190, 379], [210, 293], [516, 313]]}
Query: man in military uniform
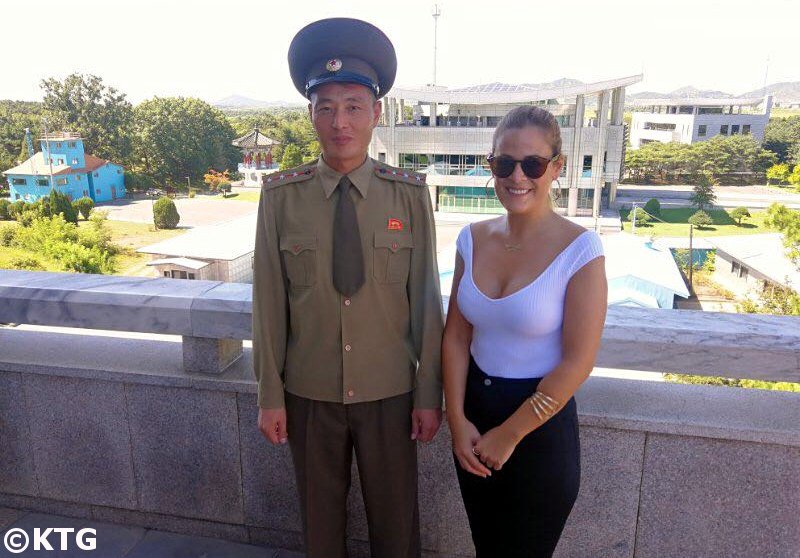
{"points": [[347, 316]]}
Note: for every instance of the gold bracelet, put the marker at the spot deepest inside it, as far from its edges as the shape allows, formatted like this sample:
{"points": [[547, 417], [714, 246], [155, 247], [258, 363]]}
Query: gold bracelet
{"points": [[543, 405]]}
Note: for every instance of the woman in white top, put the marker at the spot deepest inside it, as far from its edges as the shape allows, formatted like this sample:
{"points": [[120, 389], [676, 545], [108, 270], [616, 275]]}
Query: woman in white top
{"points": [[523, 328]]}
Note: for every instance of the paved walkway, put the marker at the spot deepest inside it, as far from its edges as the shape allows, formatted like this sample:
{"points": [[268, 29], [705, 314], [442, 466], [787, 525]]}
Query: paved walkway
{"points": [[753, 197], [118, 541], [200, 210]]}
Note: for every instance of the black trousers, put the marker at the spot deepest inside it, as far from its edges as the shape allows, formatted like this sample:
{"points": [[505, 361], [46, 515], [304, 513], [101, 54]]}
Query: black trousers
{"points": [[521, 509], [323, 437]]}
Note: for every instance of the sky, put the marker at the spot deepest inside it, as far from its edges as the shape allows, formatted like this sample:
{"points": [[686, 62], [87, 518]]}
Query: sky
{"points": [[212, 49]]}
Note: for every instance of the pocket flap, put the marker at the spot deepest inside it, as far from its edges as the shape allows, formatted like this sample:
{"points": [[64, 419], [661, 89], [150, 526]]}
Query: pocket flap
{"points": [[297, 244], [394, 241]]}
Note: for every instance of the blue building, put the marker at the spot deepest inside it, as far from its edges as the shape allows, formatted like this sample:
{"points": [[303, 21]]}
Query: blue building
{"points": [[63, 164]]}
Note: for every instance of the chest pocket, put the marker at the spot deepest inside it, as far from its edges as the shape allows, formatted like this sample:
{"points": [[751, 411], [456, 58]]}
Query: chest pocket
{"points": [[392, 256], [300, 258]]}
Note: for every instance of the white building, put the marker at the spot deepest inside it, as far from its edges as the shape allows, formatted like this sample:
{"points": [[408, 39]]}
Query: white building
{"points": [[748, 264], [221, 252], [692, 120], [447, 133]]}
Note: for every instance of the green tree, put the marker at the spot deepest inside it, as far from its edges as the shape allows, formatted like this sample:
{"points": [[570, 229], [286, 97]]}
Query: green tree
{"points": [[84, 206], [782, 137], [779, 172], [292, 157], [177, 137], [58, 202], [739, 214], [703, 192], [165, 214], [99, 113], [700, 219], [787, 221], [653, 207], [15, 116], [794, 178]]}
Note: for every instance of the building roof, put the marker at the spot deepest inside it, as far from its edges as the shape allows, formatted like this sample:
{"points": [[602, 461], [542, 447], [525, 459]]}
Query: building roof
{"points": [[502, 93], [37, 165], [254, 139], [222, 241], [61, 136], [183, 262], [629, 255], [699, 102], [764, 253]]}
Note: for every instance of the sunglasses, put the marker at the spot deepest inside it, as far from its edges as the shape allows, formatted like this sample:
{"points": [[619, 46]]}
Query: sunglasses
{"points": [[533, 166]]}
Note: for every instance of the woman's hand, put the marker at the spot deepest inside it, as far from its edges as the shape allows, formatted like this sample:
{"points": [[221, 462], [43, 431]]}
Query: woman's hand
{"points": [[465, 436], [496, 446]]}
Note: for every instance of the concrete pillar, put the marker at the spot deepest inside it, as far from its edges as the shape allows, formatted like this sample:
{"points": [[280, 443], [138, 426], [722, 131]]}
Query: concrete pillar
{"points": [[600, 148], [434, 110], [617, 106], [575, 159], [401, 112], [204, 355]]}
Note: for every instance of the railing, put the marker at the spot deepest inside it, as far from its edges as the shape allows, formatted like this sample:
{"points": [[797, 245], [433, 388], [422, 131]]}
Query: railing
{"points": [[153, 432]]}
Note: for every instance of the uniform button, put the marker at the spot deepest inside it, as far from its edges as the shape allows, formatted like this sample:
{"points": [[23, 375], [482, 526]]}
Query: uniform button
{"points": [[347, 348], [487, 382], [394, 245], [347, 302], [350, 393]]}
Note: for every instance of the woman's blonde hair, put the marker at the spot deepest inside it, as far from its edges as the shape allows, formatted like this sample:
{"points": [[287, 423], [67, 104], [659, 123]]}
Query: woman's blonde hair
{"points": [[529, 115]]}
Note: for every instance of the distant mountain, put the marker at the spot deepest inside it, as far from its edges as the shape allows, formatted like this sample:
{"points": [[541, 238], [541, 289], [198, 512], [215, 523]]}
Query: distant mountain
{"points": [[241, 102], [786, 91], [563, 82]]}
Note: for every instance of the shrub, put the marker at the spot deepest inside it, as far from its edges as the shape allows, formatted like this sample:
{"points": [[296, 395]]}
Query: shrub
{"points": [[739, 214], [4, 205], [7, 235], [75, 257], [97, 234], [84, 206], [16, 208], [191, 193], [59, 204], [700, 219], [653, 207], [642, 218], [27, 263], [165, 214], [27, 217]]}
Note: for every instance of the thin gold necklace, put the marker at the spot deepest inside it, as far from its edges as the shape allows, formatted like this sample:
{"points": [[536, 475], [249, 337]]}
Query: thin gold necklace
{"points": [[512, 247]]}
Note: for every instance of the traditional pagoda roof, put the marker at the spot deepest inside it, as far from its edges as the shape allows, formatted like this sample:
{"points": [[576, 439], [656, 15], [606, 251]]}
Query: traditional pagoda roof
{"points": [[254, 139]]}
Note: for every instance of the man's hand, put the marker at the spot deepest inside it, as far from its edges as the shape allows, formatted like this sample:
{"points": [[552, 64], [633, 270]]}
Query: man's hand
{"points": [[425, 424], [272, 424]]}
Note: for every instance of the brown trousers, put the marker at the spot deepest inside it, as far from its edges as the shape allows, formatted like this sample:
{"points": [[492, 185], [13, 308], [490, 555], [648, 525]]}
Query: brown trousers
{"points": [[322, 437]]}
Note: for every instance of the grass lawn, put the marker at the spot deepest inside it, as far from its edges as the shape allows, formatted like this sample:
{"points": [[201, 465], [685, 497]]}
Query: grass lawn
{"points": [[243, 196], [128, 236], [786, 188], [677, 223]]}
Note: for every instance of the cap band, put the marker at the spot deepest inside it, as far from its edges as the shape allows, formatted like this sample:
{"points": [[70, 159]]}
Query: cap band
{"points": [[342, 77]]}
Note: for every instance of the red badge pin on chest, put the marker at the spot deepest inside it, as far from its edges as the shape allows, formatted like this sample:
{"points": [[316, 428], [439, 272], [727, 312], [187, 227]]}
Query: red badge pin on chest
{"points": [[394, 225]]}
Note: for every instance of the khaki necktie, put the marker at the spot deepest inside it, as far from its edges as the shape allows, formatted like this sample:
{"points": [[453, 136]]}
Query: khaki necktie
{"points": [[348, 256]]}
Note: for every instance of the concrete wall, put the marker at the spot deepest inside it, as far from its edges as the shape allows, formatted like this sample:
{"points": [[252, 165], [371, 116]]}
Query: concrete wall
{"points": [[668, 470]]}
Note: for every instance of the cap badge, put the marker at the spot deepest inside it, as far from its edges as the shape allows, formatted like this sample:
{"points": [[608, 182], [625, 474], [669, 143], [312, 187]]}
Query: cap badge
{"points": [[333, 65]]}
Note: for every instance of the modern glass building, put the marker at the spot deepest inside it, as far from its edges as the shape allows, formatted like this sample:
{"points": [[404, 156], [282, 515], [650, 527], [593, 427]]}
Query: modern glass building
{"points": [[447, 133]]}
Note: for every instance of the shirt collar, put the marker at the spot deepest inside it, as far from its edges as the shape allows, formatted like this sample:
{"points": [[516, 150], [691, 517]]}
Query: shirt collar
{"points": [[360, 177]]}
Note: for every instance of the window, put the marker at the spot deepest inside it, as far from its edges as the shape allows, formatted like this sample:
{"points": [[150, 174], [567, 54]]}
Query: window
{"points": [[74, 162], [723, 129], [61, 181], [19, 181], [79, 177], [119, 171], [166, 274], [86, 193], [686, 110], [58, 145], [178, 274], [709, 110], [701, 130], [191, 276], [563, 172], [97, 174], [42, 181], [61, 161], [72, 144], [16, 196], [734, 129], [97, 191], [661, 126], [743, 272], [587, 166], [735, 267], [746, 129]]}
